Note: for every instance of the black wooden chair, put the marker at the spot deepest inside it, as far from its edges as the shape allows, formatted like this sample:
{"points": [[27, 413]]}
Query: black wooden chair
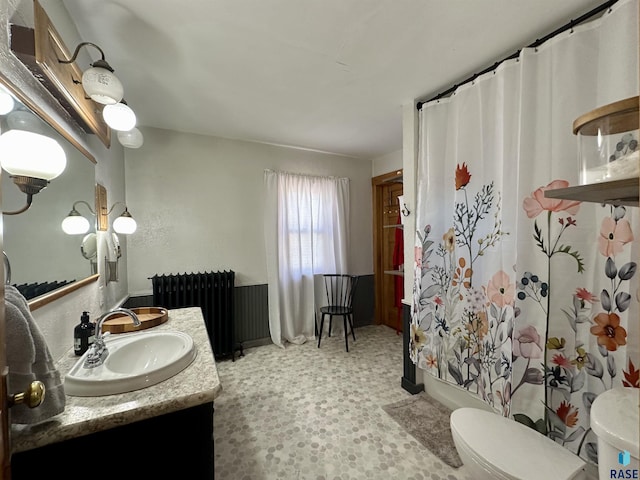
{"points": [[339, 289]]}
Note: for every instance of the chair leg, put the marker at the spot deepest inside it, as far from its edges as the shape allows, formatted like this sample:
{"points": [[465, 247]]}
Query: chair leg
{"points": [[315, 323], [320, 331], [353, 333], [346, 334], [330, 321]]}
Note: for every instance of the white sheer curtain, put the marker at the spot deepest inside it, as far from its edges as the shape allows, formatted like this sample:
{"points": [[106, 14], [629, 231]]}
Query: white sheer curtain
{"points": [[513, 299], [306, 233]]}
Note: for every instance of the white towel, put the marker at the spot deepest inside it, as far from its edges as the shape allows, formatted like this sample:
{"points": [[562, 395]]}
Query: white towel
{"points": [[29, 359]]}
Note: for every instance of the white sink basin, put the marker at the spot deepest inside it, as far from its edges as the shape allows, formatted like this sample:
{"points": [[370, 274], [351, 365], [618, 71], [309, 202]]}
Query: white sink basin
{"points": [[135, 361]]}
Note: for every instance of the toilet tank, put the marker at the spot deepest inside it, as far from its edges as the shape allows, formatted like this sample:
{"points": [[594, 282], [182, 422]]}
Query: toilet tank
{"points": [[615, 417]]}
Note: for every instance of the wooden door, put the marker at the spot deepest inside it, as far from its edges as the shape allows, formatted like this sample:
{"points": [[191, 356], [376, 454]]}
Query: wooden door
{"points": [[388, 249]]}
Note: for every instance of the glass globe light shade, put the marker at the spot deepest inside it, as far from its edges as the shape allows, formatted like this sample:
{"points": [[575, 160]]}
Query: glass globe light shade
{"points": [[119, 116], [6, 102], [75, 224], [131, 139], [125, 224], [102, 85], [31, 155], [26, 120]]}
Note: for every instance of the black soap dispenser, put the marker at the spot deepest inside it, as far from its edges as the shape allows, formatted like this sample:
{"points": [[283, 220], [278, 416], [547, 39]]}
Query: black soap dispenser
{"points": [[83, 334]]}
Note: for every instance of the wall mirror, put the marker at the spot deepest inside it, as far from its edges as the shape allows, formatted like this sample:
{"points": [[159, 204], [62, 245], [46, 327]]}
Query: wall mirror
{"points": [[41, 255]]}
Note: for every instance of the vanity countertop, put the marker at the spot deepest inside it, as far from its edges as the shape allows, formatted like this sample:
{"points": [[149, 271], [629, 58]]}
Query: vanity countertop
{"points": [[195, 385]]}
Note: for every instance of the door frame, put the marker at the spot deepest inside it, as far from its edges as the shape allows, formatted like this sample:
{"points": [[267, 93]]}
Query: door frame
{"points": [[377, 206]]}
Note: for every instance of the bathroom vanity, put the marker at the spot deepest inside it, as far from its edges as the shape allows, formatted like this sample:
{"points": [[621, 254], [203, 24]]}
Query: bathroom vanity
{"points": [[167, 427]]}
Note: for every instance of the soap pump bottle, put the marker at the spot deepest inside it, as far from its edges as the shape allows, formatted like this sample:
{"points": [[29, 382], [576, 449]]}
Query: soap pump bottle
{"points": [[83, 334]]}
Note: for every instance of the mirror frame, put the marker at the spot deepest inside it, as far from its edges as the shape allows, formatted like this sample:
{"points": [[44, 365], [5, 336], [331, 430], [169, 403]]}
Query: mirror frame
{"points": [[28, 102]]}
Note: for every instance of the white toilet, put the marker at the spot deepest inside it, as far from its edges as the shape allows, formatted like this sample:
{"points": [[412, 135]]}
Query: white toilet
{"points": [[494, 447], [615, 419]]}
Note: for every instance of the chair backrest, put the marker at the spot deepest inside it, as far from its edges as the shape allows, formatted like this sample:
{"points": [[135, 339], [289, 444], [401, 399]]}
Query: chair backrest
{"points": [[339, 289]]}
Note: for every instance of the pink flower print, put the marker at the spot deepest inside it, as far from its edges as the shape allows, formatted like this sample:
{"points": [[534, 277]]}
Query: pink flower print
{"points": [[585, 295], [500, 290], [538, 203], [613, 236], [417, 252], [527, 343]]}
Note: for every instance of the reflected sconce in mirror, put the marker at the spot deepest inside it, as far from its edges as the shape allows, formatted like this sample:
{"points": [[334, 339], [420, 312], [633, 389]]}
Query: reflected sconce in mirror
{"points": [[76, 224], [30, 157]]}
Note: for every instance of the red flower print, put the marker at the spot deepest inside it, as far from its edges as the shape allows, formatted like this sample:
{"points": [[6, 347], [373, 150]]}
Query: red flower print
{"points": [[432, 362], [632, 376], [538, 203], [462, 176], [610, 333], [613, 236], [438, 301], [568, 414], [585, 295], [561, 361]]}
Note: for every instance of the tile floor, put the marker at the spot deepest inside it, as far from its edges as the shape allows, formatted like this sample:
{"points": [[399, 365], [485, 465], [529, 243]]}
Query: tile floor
{"points": [[309, 413]]}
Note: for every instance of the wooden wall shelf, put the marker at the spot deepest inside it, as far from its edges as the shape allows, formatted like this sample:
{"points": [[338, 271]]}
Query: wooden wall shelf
{"points": [[617, 192]]}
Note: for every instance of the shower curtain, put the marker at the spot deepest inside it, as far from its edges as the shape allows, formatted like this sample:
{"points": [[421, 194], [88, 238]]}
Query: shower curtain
{"points": [[529, 303]]}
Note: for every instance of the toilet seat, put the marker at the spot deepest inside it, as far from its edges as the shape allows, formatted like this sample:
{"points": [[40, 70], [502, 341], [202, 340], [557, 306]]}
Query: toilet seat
{"points": [[510, 450]]}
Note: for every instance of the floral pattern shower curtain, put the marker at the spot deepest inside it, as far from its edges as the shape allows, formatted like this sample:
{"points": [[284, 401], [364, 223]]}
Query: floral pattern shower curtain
{"points": [[532, 304]]}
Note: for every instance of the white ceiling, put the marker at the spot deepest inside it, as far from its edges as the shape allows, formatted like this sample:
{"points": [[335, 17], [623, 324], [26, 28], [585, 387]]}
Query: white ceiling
{"points": [[329, 75]]}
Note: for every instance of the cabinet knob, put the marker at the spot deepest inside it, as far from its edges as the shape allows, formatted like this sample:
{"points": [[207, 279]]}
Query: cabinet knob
{"points": [[32, 397]]}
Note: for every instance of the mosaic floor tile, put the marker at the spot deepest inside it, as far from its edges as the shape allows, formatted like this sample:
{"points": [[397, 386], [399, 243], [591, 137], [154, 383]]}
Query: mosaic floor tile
{"points": [[304, 413]]}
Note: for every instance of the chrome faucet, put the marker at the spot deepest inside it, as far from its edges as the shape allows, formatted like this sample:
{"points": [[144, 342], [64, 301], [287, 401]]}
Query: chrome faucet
{"points": [[98, 351]]}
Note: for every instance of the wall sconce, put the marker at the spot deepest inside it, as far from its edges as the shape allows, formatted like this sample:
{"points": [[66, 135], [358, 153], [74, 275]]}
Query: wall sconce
{"points": [[101, 85], [76, 224], [99, 81], [131, 139], [119, 116], [31, 158]]}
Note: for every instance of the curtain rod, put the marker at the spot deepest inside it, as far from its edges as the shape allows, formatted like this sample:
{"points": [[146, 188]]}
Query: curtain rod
{"points": [[537, 43]]}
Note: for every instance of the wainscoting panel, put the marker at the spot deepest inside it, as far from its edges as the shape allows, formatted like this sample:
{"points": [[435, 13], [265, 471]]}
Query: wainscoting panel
{"points": [[252, 310], [252, 313]]}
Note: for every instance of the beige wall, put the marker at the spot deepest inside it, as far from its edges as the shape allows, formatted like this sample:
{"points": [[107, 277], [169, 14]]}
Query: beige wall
{"points": [[198, 201], [386, 163]]}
